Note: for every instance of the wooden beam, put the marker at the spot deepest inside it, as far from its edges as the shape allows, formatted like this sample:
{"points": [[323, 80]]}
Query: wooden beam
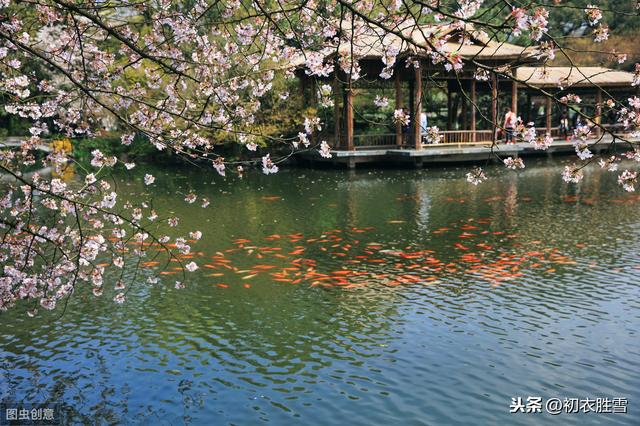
{"points": [[412, 97], [348, 106], [473, 108], [547, 111], [494, 105], [454, 111], [417, 130], [336, 109], [398, 105]]}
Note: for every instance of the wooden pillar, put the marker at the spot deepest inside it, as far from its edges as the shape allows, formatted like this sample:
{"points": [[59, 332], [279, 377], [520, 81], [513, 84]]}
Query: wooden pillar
{"points": [[514, 97], [473, 109], [547, 111], [494, 105], [348, 118], [454, 111], [336, 109], [399, 141], [411, 96], [598, 117], [417, 106]]}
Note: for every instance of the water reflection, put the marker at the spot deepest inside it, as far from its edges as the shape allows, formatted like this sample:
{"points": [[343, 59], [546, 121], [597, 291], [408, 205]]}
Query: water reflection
{"points": [[466, 297]]}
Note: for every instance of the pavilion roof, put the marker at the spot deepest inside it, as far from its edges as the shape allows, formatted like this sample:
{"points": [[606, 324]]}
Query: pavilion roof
{"points": [[409, 38], [573, 76]]}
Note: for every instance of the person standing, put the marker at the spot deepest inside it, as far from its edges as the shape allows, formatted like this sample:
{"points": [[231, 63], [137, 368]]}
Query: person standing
{"points": [[510, 120]]}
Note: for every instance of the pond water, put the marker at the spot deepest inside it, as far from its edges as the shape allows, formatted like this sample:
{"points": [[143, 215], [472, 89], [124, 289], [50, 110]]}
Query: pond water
{"points": [[366, 297]]}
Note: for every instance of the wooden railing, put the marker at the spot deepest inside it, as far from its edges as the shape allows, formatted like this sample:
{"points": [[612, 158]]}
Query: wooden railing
{"points": [[555, 131], [449, 137], [385, 140], [465, 136]]}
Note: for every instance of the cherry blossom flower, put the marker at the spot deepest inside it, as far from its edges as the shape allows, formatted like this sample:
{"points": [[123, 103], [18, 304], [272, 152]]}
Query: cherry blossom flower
{"points": [[218, 164], [581, 133], [381, 101], [316, 66], [628, 180], [268, 166], [571, 98], [433, 135], [476, 176], [601, 33], [481, 74], [594, 14], [513, 163], [303, 139], [610, 164], [127, 138], [521, 20], [191, 266], [312, 124], [572, 174], [325, 149], [636, 76], [149, 179], [401, 117], [582, 149]]}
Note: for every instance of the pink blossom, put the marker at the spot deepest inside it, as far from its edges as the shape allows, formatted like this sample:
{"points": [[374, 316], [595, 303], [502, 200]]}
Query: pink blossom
{"points": [[325, 149], [476, 176], [628, 180], [513, 163], [594, 15], [572, 174], [268, 166]]}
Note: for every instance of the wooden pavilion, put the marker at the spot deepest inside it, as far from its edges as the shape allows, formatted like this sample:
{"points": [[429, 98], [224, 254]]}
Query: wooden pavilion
{"points": [[488, 67]]}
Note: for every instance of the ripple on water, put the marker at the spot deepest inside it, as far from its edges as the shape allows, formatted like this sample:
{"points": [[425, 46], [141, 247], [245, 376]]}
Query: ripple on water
{"points": [[462, 298]]}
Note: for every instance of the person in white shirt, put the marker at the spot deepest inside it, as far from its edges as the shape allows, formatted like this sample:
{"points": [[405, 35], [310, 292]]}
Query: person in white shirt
{"points": [[423, 122]]}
